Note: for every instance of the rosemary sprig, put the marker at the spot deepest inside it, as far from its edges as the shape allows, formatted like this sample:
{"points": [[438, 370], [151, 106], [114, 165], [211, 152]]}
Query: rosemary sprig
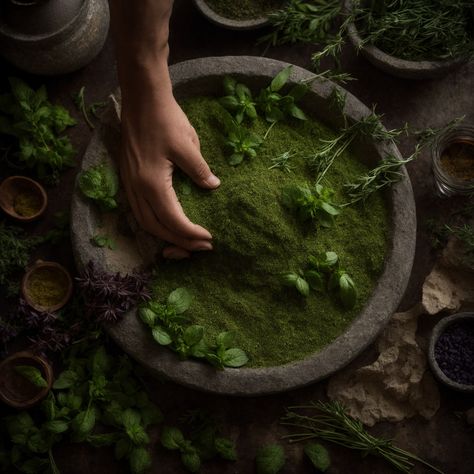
{"points": [[282, 162], [333, 424]]}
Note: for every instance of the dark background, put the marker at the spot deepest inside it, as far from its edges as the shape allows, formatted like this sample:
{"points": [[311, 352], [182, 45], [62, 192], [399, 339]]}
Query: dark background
{"points": [[251, 422]]}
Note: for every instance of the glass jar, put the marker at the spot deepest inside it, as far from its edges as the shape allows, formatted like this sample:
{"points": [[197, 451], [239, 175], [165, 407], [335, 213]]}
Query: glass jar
{"points": [[450, 178]]}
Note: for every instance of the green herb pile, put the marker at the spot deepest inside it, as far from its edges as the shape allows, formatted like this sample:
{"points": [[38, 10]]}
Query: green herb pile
{"points": [[100, 183], [37, 126], [96, 399], [238, 287], [418, 30], [244, 9]]}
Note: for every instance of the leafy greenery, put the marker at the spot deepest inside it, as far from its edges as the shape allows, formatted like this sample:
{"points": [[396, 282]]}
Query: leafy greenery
{"points": [[100, 183], [323, 273], [238, 100], [16, 250], [281, 162], [169, 327], [310, 203], [318, 455], [242, 143], [37, 125], [276, 106], [104, 241], [464, 233], [270, 459], [418, 29], [332, 423], [32, 374]]}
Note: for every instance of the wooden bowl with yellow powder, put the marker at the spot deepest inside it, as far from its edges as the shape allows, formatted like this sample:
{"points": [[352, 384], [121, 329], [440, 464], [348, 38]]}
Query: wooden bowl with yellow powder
{"points": [[23, 198], [47, 286]]}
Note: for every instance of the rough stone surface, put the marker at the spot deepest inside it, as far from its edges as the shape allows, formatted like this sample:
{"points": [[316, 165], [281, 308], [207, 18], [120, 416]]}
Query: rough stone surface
{"points": [[396, 386], [203, 76], [450, 285], [396, 66], [63, 51], [229, 23]]}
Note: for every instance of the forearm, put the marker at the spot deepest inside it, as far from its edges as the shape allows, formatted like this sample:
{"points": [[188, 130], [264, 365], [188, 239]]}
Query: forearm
{"points": [[140, 30]]}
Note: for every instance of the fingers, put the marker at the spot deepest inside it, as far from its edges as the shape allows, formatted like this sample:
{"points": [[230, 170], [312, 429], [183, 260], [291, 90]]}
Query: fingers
{"points": [[194, 165], [175, 253]]}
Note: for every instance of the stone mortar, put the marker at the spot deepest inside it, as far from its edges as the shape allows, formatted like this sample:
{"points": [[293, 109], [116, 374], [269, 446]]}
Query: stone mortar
{"points": [[396, 66], [229, 23], [204, 77]]}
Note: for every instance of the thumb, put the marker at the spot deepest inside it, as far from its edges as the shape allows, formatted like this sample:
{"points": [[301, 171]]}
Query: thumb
{"points": [[195, 166]]}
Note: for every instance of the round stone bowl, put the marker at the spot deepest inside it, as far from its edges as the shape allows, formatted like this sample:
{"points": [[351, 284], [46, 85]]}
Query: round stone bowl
{"points": [[438, 330], [231, 24], [204, 77], [396, 66]]}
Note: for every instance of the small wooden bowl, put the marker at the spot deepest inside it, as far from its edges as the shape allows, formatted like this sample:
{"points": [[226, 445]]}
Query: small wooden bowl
{"points": [[10, 190], [41, 266], [15, 390]]}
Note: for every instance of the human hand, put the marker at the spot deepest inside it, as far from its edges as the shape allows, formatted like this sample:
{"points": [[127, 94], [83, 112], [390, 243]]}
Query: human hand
{"points": [[156, 137]]}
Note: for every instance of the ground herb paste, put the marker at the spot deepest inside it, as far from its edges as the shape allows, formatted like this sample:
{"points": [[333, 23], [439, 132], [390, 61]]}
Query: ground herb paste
{"points": [[244, 9], [237, 286]]}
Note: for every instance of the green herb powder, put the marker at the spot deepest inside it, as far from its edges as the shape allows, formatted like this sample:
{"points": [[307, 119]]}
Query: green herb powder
{"points": [[237, 286], [27, 203], [244, 9], [47, 287]]}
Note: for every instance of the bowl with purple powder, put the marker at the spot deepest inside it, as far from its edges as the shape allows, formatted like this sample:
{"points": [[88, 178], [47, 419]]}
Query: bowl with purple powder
{"points": [[451, 351]]}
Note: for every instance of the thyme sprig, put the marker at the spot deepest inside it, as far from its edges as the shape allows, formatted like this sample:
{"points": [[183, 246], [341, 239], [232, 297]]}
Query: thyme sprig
{"points": [[333, 424]]}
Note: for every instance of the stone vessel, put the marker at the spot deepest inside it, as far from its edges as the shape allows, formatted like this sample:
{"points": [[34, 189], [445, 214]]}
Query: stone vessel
{"points": [[50, 37]]}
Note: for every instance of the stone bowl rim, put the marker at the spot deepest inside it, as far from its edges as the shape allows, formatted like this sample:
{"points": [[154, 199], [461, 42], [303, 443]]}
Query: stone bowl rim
{"points": [[363, 330], [403, 68], [229, 23], [438, 329]]}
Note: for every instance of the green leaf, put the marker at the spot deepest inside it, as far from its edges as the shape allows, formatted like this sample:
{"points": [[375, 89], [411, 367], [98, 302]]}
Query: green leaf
{"points": [[161, 336], [103, 439], [318, 455], [302, 286], [83, 423], [147, 316], [229, 85], [172, 438], [56, 426], [101, 362], [140, 460], [234, 357], [19, 424], [296, 112], [191, 460], [102, 241], [348, 292], [122, 448], [32, 374], [229, 102], [131, 418], [226, 448], [180, 299], [49, 407], [270, 459], [225, 339], [200, 349], [193, 334], [280, 79], [315, 280], [236, 158]]}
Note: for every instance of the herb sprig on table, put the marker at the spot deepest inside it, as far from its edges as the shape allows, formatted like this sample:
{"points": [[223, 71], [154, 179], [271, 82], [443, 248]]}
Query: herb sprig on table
{"points": [[100, 183], [170, 327], [331, 423], [37, 126]]}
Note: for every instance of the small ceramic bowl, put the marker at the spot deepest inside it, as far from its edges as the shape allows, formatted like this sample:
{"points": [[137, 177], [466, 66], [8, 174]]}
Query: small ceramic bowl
{"points": [[396, 66], [39, 274], [23, 198], [433, 351], [15, 390], [230, 23]]}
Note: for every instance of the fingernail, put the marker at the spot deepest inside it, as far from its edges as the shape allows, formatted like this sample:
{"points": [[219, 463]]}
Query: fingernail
{"points": [[204, 247], [213, 181]]}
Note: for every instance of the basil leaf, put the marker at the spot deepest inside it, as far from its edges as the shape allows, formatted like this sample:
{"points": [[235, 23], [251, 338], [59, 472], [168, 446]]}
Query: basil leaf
{"points": [[347, 291], [56, 426], [193, 334], [302, 286], [236, 159], [140, 460], [234, 357], [122, 448], [32, 374], [318, 455], [280, 79], [200, 349], [131, 418], [229, 85], [103, 439], [19, 424], [315, 280], [147, 316], [229, 102], [180, 299], [101, 362], [225, 339], [83, 423], [171, 438], [289, 279], [65, 380], [191, 460], [296, 112], [161, 336], [137, 434], [270, 459], [49, 408], [226, 449]]}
